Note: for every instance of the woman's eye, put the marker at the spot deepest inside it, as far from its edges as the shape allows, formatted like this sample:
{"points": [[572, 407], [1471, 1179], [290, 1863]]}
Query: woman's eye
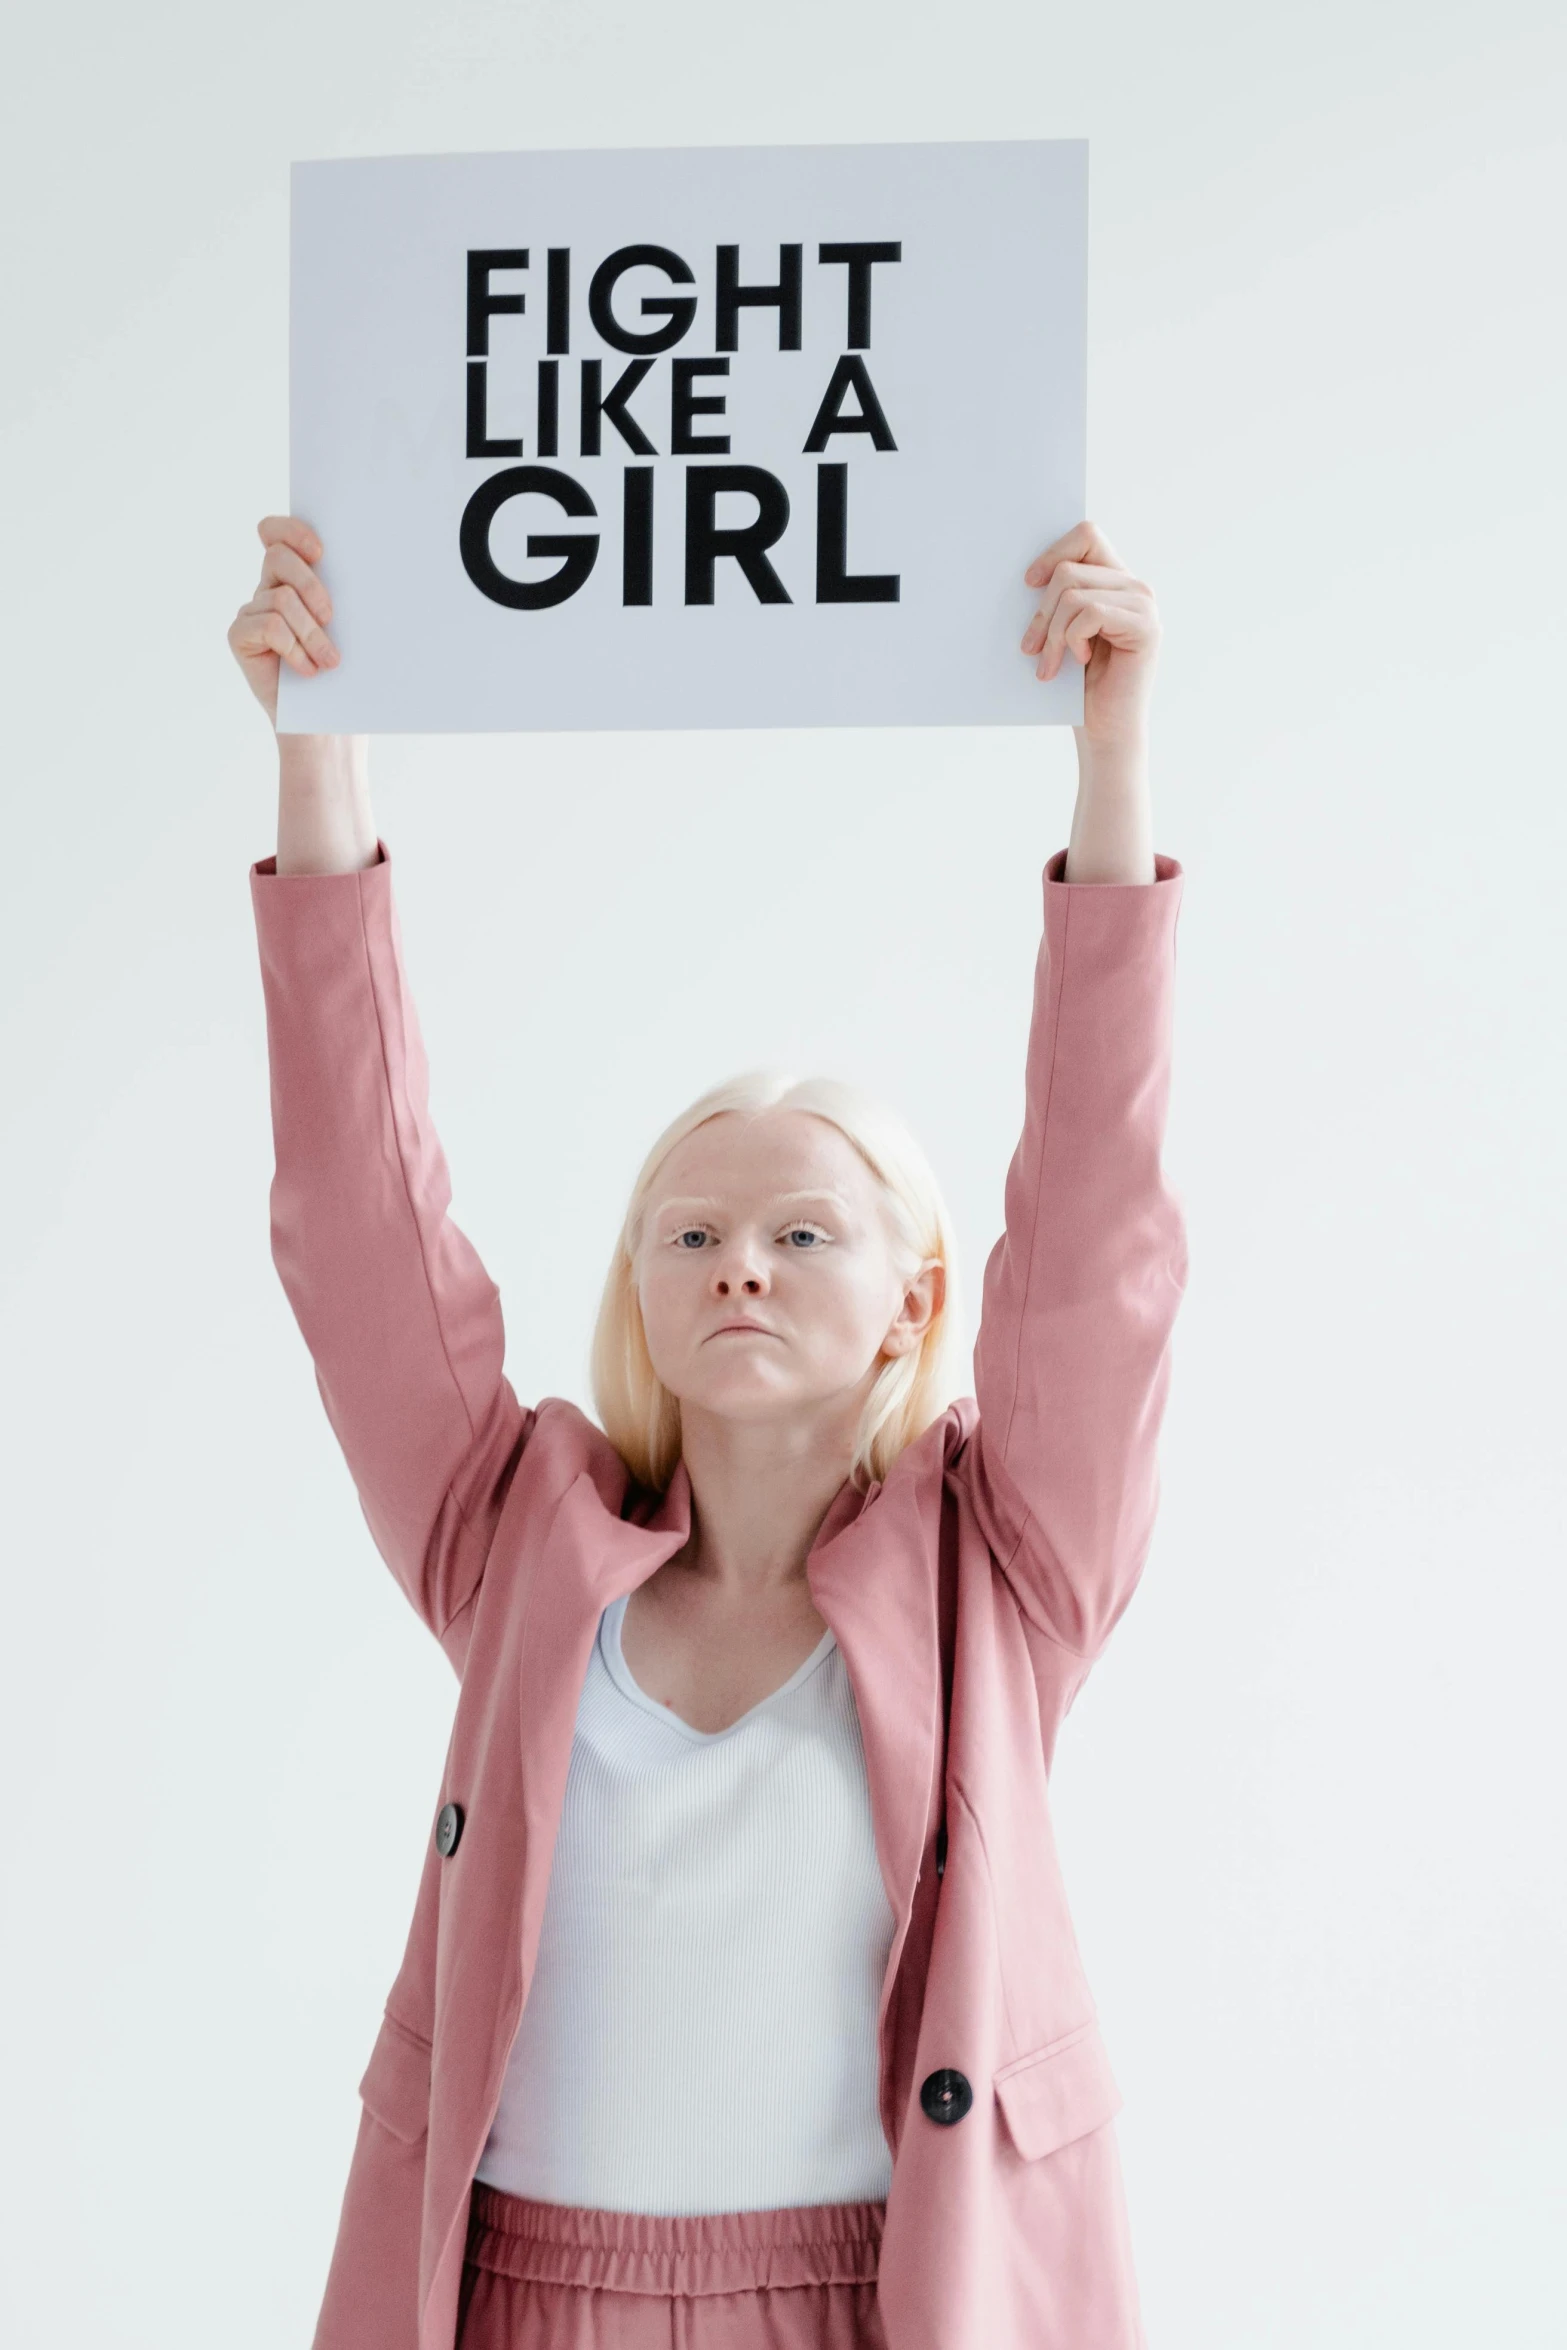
{"points": [[692, 1237], [804, 1235]]}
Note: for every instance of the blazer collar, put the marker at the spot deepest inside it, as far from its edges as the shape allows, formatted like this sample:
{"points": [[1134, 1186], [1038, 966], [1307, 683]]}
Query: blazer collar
{"points": [[640, 1544]]}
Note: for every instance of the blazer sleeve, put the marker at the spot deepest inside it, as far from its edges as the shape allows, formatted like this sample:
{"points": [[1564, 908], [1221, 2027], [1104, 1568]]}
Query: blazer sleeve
{"points": [[401, 1319], [1081, 1292]]}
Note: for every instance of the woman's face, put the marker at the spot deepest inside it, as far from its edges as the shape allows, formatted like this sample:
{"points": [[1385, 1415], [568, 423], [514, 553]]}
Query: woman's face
{"points": [[767, 1273]]}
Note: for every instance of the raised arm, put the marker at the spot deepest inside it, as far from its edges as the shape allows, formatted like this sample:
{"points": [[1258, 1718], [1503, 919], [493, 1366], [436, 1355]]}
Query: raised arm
{"points": [[1082, 1290], [402, 1322]]}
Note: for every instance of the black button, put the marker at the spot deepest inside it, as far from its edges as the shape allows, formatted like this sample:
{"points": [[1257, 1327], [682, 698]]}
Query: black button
{"points": [[946, 2096], [447, 1829]]}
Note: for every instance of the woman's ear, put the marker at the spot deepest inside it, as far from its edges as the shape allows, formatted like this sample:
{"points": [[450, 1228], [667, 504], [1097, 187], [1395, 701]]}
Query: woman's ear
{"points": [[923, 1300]]}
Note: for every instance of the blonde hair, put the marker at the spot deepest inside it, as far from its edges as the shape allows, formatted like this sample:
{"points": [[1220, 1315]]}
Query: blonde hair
{"points": [[638, 1413]]}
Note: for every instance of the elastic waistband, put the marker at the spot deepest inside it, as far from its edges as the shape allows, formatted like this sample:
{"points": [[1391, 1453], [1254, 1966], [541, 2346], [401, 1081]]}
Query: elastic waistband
{"points": [[638, 2252]]}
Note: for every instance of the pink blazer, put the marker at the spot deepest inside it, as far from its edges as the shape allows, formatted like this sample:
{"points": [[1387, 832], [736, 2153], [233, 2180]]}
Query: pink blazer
{"points": [[510, 1529]]}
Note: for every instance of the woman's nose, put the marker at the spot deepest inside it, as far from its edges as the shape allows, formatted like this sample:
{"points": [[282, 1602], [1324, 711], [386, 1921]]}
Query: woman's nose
{"points": [[739, 1273]]}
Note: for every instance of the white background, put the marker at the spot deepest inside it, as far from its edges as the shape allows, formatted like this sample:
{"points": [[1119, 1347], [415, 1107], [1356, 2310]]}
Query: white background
{"points": [[976, 354], [1310, 1800]]}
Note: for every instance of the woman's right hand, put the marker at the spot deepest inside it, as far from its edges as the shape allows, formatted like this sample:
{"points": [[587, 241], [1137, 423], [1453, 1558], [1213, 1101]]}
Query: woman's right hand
{"points": [[288, 616]]}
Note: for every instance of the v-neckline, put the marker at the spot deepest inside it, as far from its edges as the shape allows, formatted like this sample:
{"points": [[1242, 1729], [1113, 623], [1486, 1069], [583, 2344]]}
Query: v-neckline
{"points": [[629, 1687]]}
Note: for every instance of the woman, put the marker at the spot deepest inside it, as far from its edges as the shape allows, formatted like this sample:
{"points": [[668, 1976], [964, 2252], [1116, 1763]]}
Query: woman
{"points": [[741, 2005]]}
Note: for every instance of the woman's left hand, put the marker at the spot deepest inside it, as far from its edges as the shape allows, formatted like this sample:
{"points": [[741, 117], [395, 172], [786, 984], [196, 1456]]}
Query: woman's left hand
{"points": [[1093, 609]]}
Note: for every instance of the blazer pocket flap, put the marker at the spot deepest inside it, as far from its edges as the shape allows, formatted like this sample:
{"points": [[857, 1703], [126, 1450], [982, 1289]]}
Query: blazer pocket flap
{"points": [[396, 2086], [1058, 2092]]}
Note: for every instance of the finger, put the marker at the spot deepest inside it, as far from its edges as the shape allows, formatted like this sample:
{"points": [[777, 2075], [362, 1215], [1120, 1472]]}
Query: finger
{"points": [[1085, 542], [287, 530], [291, 606], [255, 633], [1081, 633], [1077, 575], [280, 565], [1079, 618], [1073, 608], [1038, 629], [1124, 627], [279, 638]]}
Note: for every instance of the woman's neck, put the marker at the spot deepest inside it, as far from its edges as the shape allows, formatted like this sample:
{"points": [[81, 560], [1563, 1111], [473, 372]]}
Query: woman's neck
{"points": [[759, 1494]]}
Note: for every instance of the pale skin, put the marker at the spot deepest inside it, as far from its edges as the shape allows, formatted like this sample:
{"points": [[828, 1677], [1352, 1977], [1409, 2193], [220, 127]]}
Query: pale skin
{"points": [[771, 1285]]}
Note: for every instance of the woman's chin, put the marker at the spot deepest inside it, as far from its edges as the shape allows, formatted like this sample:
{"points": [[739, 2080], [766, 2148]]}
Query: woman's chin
{"points": [[746, 1397]]}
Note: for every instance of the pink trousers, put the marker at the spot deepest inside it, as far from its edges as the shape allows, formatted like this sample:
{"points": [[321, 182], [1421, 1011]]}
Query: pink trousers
{"points": [[541, 2276]]}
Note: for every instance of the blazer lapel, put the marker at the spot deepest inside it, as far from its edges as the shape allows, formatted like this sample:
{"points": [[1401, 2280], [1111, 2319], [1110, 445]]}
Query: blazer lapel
{"points": [[872, 1573], [590, 1557]]}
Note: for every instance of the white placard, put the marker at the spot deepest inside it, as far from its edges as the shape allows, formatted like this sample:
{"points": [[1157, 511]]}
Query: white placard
{"points": [[790, 422]]}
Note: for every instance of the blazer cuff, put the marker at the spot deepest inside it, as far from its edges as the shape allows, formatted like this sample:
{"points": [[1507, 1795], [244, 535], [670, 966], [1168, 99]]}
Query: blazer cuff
{"points": [[1164, 869], [265, 869]]}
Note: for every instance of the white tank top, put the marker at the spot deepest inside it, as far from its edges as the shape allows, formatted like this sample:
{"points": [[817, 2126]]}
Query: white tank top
{"points": [[700, 2032]]}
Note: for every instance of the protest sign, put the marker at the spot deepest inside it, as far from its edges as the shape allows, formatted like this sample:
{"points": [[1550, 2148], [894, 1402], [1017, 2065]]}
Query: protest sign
{"points": [[687, 437]]}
